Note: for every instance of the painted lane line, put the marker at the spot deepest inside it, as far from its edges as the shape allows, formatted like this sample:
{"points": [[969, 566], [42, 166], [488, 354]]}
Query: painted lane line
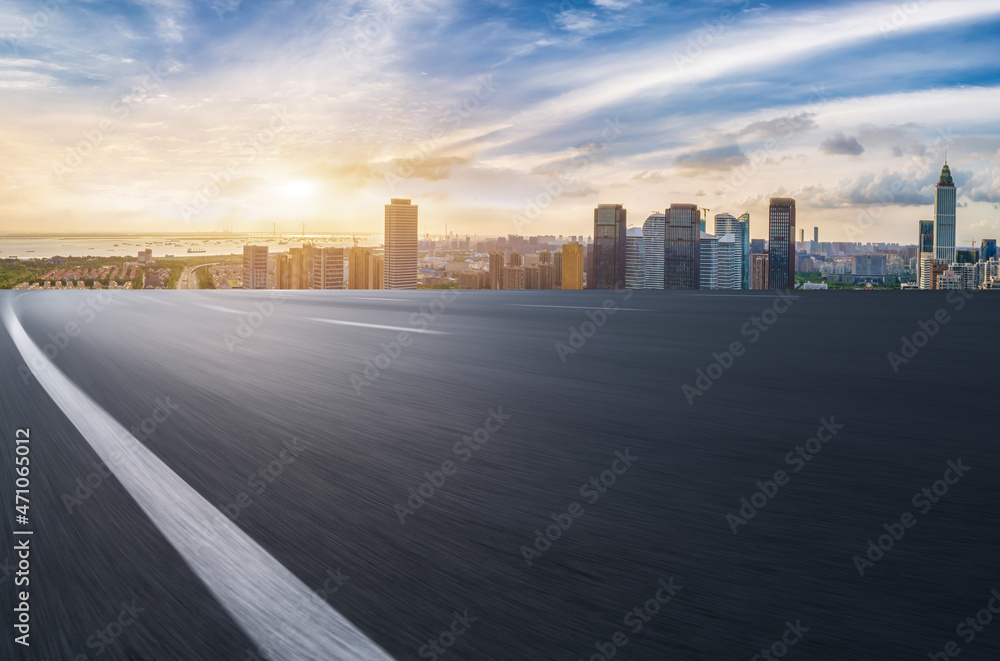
{"points": [[276, 609], [366, 298], [219, 308], [578, 307], [154, 299], [379, 326]]}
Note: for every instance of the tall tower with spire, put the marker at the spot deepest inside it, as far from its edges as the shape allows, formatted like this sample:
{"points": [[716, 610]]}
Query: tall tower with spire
{"points": [[944, 216]]}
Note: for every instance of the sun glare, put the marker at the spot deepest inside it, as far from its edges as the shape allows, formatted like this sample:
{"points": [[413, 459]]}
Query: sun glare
{"points": [[297, 188]]}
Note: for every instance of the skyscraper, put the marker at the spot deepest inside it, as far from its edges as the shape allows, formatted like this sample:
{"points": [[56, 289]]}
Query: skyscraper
{"points": [[708, 256], [740, 229], [815, 235], [925, 243], [729, 260], [254, 267], [988, 250], [634, 258], [572, 266], [944, 216], [400, 244], [681, 247], [609, 247], [781, 243], [744, 221], [926, 237], [652, 242], [557, 263]]}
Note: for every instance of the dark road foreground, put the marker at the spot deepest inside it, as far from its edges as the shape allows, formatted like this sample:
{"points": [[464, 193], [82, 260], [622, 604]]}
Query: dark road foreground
{"points": [[500, 475]]}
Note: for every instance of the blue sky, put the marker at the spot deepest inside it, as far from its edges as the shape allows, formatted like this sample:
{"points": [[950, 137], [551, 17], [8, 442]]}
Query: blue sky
{"points": [[496, 117]]}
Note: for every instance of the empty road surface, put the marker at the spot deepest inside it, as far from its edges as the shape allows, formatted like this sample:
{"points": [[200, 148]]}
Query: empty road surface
{"points": [[500, 475]]}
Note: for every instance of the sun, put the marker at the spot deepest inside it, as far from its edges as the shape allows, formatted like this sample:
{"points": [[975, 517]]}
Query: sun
{"points": [[297, 188]]}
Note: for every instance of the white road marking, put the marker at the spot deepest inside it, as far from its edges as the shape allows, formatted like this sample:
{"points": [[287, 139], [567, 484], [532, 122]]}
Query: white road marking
{"points": [[155, 299], [732, 295], [219, 308], [578, 307], [379, 326], [366, 298], [276, 609]]}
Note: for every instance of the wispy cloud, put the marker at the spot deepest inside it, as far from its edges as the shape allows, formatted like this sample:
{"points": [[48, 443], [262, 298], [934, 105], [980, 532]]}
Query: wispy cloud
{"points": [[371, 91]]}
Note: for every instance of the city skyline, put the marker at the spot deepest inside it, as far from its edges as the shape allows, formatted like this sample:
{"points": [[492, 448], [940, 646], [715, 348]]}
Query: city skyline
{"points": [[232, 114]]}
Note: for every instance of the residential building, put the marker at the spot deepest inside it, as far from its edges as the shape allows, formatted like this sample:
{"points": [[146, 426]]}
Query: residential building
{"points": [[513, 277], [532, 277], [653, 246], [478, 279], [634, 258], [546, 276], [930, 270], [949, 280], [968, 274], [361, 268], [760, 271], [572, 266], [708, 276], [496, 269], [730, 270], [254, 267], [327, 268]]}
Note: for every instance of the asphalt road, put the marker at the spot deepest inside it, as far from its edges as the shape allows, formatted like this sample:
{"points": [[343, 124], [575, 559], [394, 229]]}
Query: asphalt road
{"points": [[304, 420]]}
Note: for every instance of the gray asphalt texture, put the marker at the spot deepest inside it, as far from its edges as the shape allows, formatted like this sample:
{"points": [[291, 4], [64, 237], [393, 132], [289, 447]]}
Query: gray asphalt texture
{"points": [[246, 373]]}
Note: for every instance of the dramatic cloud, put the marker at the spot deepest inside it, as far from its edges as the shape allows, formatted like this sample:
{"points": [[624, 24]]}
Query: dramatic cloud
{"points": [[328, 110], [838, 143], [867, 189], [985, 187]]}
